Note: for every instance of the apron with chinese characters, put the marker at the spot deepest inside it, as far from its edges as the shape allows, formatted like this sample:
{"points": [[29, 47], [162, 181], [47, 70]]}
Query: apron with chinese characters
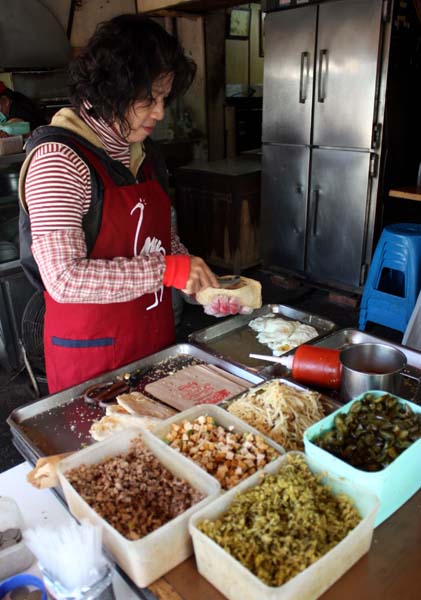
{"points": [[84, 340]]}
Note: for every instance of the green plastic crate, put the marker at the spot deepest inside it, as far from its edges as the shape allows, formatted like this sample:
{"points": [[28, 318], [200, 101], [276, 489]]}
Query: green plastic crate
{"points": [[16, 128]]}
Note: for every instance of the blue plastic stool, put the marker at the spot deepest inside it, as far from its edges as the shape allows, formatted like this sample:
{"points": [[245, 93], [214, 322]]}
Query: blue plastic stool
{"points": [[394, 278]]}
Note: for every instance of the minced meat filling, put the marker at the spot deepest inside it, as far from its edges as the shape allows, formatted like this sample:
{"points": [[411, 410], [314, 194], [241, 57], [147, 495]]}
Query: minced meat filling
{"points": [[133, 491]]}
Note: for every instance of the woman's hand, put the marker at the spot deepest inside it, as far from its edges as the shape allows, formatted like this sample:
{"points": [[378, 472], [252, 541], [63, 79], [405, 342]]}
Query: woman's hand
{"points": [[223, 306], [200, 276]]}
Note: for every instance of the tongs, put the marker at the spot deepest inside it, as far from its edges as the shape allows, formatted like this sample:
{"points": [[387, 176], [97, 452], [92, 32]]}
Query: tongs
{"points": [[228, 280], [106, 392]]}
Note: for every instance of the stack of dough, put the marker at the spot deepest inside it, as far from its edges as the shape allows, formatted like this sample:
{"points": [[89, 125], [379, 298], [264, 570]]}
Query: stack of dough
{"points": [[133, 410]]}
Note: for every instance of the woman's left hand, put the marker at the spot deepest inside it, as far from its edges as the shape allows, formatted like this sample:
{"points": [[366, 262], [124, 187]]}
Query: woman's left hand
{"points": [[223, 306]]}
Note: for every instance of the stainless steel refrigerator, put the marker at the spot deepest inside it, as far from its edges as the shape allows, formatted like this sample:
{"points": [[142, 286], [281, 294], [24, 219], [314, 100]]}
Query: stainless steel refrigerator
{"points": [[322, 111]]}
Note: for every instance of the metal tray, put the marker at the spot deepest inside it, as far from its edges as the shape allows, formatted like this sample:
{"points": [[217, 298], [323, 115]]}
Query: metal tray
{"points": [[61, 422], [344, 337], [329, 404], [235, 340], [410, 389]]}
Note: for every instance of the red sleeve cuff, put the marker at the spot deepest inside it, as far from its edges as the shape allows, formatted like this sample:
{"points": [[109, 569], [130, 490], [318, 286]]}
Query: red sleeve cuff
{"points": [[177, 271]]}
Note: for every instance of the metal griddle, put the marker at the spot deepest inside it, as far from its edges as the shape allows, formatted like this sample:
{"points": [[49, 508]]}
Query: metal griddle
{"points": [[235, 340]]}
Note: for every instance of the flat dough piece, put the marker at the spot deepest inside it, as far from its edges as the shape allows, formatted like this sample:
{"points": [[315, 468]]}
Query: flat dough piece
{"points": [[241, 382], [194, 385], [115, 409], [44, 474], [108, 425], [137, 403]]}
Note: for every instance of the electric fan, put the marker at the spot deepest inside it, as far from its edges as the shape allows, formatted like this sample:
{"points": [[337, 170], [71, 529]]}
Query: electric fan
{"points": [[32, 340]]}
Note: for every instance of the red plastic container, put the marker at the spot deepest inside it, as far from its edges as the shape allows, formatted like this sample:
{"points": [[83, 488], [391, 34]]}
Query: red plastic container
{"points": [[317, 366]]}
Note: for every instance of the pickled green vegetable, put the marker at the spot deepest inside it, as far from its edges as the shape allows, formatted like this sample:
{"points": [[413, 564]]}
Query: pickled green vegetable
{"points": [[282, 526], [373, 433]]}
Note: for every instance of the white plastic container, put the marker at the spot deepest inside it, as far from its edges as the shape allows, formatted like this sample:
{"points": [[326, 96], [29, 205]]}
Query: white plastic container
{"points": [[18, 557], [221, 417], [11, 145], [147, 559], [236, 582]]}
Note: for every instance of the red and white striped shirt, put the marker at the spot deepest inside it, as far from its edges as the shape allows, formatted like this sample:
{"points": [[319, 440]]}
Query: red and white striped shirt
{"points": [[58, 195]]}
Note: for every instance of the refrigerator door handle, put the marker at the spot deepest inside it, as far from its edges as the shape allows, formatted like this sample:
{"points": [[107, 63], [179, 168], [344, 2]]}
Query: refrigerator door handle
{"points": [[304, 75], [316, 195], [322, 79]]}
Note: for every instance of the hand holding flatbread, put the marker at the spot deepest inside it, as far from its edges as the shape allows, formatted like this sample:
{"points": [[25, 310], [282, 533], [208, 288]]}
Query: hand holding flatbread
{"points": [[242, 297]]}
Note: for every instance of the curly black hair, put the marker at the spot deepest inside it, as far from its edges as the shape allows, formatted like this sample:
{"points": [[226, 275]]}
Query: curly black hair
{"points": [[120, 63]]}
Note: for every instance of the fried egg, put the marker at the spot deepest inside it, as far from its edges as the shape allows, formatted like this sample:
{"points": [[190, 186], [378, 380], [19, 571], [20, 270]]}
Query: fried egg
{"points": [[260, 323], [273, 325], [302, 334], [281, 335]]}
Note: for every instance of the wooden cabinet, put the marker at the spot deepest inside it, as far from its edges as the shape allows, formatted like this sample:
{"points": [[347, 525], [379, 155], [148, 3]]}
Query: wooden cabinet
{"points": [[218, 211]]}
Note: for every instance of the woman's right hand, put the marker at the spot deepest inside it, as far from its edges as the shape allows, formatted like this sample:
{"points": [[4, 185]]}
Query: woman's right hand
{"points": [[200, 276]]}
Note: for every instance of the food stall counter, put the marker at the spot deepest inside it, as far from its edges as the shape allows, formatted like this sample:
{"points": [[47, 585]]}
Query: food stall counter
{"points": [[390, 570]]}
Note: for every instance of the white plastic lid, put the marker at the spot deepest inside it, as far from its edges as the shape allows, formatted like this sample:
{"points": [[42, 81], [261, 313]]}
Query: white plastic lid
{"points": [[287, 361]]}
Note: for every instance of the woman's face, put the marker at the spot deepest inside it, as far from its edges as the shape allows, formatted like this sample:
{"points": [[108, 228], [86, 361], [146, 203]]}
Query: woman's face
{"points": [[5, 105], [142, 116]]}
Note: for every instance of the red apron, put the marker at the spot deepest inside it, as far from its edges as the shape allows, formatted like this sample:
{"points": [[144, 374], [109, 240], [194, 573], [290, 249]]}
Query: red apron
{"points": [[84, 340]]}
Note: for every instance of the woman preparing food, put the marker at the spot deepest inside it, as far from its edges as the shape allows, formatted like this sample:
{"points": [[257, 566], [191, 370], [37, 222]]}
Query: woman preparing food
{"points": [[96, 228], [15, 106]]}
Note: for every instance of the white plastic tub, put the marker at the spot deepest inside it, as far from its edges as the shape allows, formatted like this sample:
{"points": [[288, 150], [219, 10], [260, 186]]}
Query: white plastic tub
{"points": [[236, 582], [18, 557], [147, 559], [221, 417], [11, 145]]}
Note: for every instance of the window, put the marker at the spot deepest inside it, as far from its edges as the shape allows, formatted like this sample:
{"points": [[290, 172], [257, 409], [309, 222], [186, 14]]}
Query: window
{"points": [[239, 23]]}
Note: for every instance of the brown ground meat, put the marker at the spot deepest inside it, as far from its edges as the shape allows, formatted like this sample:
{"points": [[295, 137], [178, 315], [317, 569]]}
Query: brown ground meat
{"points": [[134, 492]]}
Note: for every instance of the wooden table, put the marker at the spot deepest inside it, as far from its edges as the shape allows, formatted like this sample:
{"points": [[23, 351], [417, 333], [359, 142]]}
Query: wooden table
{"points": [[412, 192], [390, 571]]}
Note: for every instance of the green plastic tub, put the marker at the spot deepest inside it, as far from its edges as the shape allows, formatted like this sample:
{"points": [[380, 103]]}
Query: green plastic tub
{"points": [[16, 128], [393, 485]]}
